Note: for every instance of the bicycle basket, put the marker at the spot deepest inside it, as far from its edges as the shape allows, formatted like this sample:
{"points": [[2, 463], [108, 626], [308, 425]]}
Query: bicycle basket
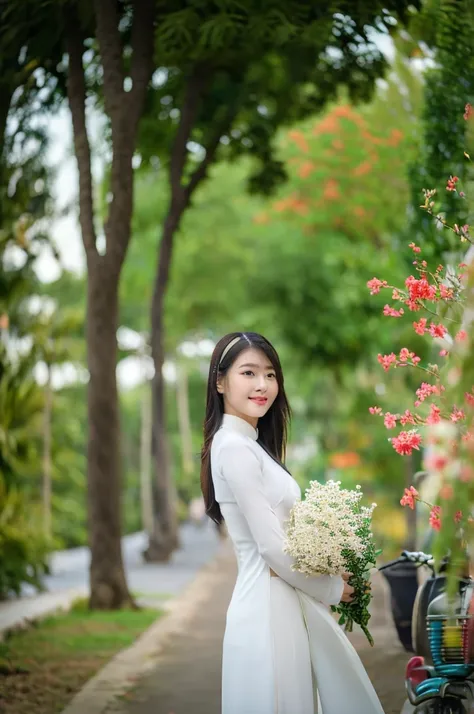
{"points": [[450, 644]]}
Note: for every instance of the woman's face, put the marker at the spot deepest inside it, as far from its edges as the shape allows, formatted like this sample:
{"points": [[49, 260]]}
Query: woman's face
{"points": [[250, 386]]}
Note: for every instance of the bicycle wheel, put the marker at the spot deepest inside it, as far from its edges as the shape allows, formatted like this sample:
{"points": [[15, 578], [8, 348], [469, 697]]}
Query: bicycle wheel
{"points": [[447, 705]]}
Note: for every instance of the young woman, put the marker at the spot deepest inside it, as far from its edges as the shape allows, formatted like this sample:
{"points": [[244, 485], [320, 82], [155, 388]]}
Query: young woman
{"points": [[283, 652]]}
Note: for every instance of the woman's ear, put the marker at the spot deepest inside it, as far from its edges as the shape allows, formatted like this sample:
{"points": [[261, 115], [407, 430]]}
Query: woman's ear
{"points": [[220, 386]]}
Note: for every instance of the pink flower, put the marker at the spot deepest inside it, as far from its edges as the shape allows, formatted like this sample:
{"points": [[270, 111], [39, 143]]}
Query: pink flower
{"points": [[375, 285], [420, 326], [467, 111], [406, 441], [409, 497], [415, 248], [420, 289], [391, 312], [387, 360], [469, 398], [443, 353], [413, 305], [458, 516], [461, 336], [375, 410], [425, 391], [390, 420], [406, 354], [445, 293], [457, 414], [407, 418], [437, 330], [435, 518], [434, 415]]}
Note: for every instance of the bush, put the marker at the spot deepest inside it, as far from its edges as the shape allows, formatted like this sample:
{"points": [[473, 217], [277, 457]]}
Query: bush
{"points": [[23, 550]]}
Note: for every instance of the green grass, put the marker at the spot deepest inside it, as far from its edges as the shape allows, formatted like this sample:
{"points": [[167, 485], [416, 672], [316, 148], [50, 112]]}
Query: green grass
{"points": [[44, 666], [153, 596]]}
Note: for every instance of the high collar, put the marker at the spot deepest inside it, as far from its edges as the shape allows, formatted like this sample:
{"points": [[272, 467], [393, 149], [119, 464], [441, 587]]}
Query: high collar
{"points": [[235, 423]]}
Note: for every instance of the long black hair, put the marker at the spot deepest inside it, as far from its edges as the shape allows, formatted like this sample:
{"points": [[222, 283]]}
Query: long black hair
{"points": [[272, 428]]}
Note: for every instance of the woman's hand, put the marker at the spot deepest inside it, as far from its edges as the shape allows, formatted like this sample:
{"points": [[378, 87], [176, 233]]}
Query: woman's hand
{"points": [[348, 592]]}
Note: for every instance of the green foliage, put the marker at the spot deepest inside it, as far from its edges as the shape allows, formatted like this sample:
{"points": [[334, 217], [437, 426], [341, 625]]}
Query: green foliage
{"points": [[448, 87], [20, 408], [256, 70], [23, 550]]}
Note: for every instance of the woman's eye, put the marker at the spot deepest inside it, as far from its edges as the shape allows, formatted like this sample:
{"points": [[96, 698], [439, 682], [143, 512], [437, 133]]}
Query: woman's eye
{"points": [[272, 375], [248, 372]]}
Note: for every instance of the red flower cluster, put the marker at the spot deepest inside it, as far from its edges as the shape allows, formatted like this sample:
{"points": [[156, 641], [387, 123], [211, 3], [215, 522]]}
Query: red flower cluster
{"points": [[387, 360], [406, 355], [434, 417], [420, 326], [457, 414], [406, 441], [435, 518], [389, 311], [409, 497], [402, 360], [437, 330], [425, 391], [375, 285], [451, 185], [419, 290]]}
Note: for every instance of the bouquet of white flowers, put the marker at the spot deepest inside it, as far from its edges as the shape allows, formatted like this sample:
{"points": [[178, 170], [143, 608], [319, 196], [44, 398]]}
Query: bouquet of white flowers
{"points": [[330, 532]]}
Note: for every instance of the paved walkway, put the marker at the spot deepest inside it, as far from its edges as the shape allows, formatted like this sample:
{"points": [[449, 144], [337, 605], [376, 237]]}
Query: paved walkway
{"points": [[186, 678], [152, 583]]}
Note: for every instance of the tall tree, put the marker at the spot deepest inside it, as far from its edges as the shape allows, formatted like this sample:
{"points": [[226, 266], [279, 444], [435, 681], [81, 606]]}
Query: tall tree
{"points": [[125, 35], [237, 77]]}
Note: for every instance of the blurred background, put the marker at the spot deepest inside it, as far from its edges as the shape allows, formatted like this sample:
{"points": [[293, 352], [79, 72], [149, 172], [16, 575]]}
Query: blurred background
{"points": [[276, 161]]}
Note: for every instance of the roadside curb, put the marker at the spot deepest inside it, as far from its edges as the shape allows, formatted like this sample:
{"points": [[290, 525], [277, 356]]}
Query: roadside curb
{"points": [[36, 609], [129, 666]]}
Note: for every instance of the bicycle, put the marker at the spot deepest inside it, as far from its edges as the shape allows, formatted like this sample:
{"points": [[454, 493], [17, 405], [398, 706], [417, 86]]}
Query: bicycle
{"points": [[439, 678]]}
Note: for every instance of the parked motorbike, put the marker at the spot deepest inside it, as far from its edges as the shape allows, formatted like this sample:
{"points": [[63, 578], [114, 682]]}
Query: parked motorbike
{"points": [[440, 676]]}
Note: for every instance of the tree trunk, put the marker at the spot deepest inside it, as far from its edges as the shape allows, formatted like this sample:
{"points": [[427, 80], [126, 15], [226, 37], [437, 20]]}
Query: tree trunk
{"points": [[146, 494], [184, 420], [164, 537], [107, 578], [47, 463]]}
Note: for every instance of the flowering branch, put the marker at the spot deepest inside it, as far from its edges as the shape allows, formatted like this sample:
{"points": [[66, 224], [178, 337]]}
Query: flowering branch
{"points": [[449, 425]]}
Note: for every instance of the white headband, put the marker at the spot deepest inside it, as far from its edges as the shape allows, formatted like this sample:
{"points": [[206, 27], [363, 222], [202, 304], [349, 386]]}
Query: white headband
{"points": [[229, 347]]}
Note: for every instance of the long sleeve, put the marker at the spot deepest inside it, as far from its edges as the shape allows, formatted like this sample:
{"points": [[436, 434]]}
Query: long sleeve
{"points": [[239, 466]]}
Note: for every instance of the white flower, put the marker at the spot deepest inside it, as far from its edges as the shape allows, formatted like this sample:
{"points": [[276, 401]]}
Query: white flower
{"points": [[326, 527]]}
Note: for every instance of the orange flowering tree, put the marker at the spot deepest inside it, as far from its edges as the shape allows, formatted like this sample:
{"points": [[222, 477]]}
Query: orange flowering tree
{"points": [[336, 167], [341, 210]]}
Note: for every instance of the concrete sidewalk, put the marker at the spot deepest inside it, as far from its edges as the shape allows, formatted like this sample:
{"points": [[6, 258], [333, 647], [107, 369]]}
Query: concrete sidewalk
{"points": [[154, 584], [186, 677]]}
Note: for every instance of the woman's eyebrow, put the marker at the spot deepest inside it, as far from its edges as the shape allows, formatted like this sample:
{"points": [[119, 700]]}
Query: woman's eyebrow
{"points": [[252, 364]]}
